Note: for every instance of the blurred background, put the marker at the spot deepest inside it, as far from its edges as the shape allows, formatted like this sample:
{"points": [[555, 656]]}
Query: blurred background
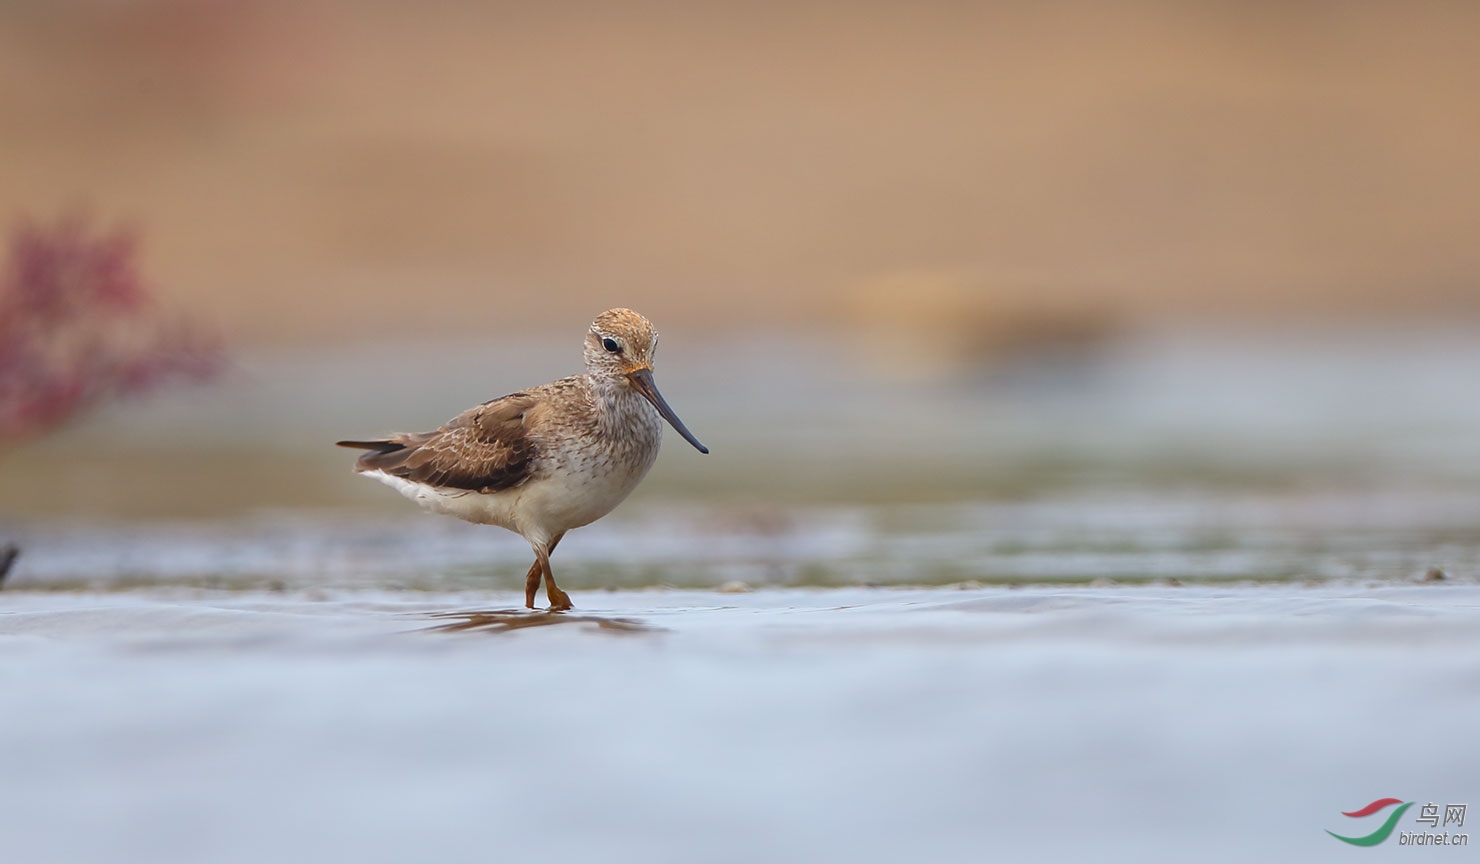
{"points": [[1167, 314], [997, 292]]}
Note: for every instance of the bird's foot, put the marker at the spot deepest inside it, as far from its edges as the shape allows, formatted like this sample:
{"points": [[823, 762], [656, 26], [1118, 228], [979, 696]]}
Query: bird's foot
{"points": [[559, 600]]}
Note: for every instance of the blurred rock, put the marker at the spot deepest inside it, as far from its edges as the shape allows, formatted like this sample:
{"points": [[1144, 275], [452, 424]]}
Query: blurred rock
{"points": [[934, 324], [8, 554]]}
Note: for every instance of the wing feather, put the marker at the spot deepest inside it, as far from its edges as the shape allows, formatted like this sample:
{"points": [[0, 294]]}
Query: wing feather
{"points": [[484, 449]]}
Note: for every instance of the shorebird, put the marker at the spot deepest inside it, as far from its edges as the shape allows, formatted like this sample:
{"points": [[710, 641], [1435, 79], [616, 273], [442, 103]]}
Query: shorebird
{"points": [[542, 461]]}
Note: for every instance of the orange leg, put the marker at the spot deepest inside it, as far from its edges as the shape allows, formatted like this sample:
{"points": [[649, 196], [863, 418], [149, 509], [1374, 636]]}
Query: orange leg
{"points": [[532, 579], [532, 584], [559, 600]]}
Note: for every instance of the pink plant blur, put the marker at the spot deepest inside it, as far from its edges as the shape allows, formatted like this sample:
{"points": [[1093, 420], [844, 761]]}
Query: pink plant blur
{"points": [[79, 326]]}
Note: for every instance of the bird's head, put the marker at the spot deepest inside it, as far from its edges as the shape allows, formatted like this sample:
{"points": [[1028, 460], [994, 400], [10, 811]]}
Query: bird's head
{"points": [[619, 350]]}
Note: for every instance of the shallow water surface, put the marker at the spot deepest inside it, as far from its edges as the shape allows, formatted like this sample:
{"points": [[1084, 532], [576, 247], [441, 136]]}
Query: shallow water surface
{"points": [[1140, 537], [865, 724]]}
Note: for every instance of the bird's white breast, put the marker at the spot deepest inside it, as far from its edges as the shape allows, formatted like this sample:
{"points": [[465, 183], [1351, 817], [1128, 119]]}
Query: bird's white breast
{"points": [[484, 508], [582, 478]]}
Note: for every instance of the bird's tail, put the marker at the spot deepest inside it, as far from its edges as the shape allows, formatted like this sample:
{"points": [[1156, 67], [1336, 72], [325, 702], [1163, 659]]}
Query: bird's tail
{"points": [[381, 446], [381, 454]]}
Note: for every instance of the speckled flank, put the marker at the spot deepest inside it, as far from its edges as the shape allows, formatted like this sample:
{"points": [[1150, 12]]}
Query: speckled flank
{"points": [[542, 461]]}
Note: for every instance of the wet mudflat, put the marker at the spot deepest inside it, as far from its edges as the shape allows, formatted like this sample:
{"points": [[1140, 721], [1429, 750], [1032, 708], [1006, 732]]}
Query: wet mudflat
{"points": [[1189, 605]]}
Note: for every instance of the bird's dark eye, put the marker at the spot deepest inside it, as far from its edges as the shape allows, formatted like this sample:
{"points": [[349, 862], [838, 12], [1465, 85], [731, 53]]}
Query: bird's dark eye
{"points": [[611, 345]]}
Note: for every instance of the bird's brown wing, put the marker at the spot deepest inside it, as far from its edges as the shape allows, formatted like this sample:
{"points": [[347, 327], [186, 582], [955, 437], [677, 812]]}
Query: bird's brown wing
{"points": [[485, 449]]}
